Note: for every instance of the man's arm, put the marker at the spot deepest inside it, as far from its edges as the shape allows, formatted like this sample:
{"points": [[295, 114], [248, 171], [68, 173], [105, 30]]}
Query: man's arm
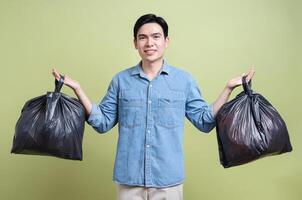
{"points": [[225, 94], [101, 117]]}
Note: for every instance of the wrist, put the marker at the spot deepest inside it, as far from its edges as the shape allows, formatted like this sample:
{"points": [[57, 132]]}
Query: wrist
{"points": [[77, 89], [228, 88]]}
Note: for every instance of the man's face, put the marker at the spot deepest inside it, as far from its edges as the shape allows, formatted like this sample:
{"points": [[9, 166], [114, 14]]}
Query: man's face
{"points": [[151, 42]]}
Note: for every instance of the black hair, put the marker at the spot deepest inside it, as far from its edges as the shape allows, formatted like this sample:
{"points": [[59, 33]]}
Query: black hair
{"points": [[150, 18]]}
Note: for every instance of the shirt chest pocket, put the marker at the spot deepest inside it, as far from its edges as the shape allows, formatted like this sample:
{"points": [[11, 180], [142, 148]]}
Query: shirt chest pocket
{"points": [[170, 111], [130, 109]]}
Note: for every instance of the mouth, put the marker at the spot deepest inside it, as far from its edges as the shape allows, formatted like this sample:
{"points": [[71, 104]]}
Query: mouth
{"points": [[149, 51]]}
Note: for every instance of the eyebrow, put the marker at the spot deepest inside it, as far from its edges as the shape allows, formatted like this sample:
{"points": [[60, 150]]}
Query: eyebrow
{"points": [[153, 34]]}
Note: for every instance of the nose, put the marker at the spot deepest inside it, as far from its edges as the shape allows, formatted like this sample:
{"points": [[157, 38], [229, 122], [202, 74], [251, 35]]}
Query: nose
{"points": [[149, 42]]}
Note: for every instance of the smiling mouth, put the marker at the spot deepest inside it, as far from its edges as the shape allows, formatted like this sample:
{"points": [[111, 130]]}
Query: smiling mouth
{"points": [[149, 51]]}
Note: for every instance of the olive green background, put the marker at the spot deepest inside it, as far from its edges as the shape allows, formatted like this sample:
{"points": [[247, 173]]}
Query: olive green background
{"points": [[92, 40]]}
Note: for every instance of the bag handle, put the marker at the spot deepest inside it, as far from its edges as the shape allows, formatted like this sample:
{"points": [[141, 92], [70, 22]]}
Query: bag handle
{"points": [[59, 83], [254, 105], [247, 86]]}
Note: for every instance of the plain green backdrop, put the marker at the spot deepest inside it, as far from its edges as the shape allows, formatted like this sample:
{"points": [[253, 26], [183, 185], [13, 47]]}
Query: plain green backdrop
{"points": [[92, 40]]}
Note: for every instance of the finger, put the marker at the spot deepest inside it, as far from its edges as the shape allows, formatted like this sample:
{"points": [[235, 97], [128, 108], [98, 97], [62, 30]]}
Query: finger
{"points": [[250, 74], [56, 74], [239, 79]]}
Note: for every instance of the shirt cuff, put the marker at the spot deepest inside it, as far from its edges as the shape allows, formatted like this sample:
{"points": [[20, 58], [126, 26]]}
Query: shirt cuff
{"points": [[211, 116], [92, 118]]}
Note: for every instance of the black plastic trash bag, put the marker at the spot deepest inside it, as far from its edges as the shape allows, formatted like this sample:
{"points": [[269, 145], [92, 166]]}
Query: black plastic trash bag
{"points": [[249, 127], [51, 124]]}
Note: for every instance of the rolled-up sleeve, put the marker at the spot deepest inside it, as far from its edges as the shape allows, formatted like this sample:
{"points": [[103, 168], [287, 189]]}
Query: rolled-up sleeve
{"points": [[103, 117], [198, 112]]}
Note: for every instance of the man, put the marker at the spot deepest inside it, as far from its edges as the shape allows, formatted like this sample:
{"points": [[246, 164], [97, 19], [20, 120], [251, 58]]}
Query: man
{"points": [[149, 102]]}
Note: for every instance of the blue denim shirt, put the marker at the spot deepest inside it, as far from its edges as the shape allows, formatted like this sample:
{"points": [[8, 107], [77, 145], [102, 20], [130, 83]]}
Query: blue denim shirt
{"points": [[150, 117]]}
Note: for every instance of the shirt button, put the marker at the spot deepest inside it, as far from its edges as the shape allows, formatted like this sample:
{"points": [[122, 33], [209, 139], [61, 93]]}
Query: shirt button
{"points": [[147, 145], [149, 101], [148, 131], [150, 85]]}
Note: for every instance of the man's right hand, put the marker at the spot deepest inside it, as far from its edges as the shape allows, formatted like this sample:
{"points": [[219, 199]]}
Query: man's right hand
{"points": [[73, 84], [77, 90]]}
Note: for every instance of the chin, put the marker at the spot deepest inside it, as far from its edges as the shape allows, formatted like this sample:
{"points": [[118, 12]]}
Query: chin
{"points": [[152, 59]]}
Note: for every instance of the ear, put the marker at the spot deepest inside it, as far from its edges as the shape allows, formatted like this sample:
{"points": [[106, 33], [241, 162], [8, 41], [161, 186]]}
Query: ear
{"points": [[134, 42], [167, 41]]}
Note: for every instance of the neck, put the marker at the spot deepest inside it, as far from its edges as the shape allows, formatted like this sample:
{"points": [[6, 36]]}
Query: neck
{"points": [[151, 69]]}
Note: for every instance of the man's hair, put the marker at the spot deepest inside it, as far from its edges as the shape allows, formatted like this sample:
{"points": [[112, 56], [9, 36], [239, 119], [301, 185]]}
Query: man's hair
{"points": [[150, 18]]}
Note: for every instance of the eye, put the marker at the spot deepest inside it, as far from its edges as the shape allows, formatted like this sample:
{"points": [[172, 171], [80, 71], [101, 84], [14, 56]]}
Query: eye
{"points": [[141, 38]]}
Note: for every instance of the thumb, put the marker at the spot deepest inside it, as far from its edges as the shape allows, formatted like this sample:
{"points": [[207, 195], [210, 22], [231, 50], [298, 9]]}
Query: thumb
{"points": [[250, 74], [55, 73]]}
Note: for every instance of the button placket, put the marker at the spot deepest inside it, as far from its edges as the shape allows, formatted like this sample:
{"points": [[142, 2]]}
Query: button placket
{"points": [[148, 140]]}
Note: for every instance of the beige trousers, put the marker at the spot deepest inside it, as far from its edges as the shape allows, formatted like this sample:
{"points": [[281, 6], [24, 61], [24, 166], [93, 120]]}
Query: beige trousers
{"points": [[125, 192]]}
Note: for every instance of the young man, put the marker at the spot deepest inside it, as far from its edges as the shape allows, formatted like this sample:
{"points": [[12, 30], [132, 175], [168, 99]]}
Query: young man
{"points": [[149, 102]]}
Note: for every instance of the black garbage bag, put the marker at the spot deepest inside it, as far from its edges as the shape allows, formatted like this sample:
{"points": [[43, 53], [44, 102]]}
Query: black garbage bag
{"points": [[248, 128], [52, 125]]}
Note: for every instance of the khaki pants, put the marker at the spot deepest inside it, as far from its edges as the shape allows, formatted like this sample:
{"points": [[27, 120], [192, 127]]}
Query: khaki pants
{"points": [[125, 192]]}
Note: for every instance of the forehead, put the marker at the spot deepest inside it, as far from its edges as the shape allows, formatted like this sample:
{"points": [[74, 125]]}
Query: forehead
{"points": [[150, 28]]}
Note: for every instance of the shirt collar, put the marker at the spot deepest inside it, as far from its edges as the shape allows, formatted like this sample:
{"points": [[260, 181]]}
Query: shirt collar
{"points": [[139, 70]]}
